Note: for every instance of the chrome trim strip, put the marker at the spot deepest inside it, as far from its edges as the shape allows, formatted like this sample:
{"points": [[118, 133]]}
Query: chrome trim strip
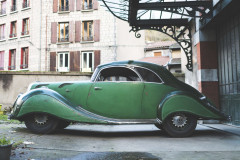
{"points": [[112, 66], [117, 121]]}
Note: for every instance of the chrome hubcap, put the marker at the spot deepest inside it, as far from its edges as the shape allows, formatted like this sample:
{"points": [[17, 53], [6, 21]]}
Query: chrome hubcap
{"points": [[41, 119], [179, 120]]}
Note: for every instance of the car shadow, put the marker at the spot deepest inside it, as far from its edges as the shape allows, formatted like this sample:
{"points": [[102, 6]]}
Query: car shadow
{"points": [[139, 133]]}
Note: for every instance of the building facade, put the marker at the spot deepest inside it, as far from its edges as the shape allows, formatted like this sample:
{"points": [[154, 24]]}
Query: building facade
{"points": [[63, 36]]}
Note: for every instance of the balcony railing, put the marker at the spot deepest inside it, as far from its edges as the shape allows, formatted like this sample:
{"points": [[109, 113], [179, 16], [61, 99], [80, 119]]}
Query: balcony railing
{"points": [[24, 66], [11, 67], [87, 7], [90, 38], [63, 39], [25, 33], [63, 8], [12, 35], [13, 8], [25, 4], [3, 11]]}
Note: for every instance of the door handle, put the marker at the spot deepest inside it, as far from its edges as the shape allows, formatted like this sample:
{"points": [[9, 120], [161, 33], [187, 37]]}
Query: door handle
{"points": [[97, 88]]}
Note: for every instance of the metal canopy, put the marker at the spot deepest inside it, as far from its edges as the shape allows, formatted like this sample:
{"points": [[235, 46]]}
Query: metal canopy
{"points": [[167, 16]]}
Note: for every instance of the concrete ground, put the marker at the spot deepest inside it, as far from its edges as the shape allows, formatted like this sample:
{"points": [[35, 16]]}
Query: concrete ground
{"points": [[133, 142]]}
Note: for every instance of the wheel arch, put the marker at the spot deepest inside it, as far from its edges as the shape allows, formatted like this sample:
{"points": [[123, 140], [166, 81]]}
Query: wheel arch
{"points": [[184, 102], [49, 102]]}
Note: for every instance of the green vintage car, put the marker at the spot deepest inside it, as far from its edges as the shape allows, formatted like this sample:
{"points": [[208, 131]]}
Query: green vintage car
{"points": [[127, 92]]}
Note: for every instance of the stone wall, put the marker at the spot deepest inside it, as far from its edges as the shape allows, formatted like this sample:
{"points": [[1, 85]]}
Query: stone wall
{"points": [[13, 83]]}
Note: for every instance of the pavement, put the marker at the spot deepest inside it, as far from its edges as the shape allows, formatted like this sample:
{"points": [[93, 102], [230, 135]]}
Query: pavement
{"points": [[127, 142]]}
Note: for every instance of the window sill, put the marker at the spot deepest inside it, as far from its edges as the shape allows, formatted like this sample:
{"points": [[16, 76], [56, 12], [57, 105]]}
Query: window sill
{"points": [[12, 38], [2, 15], [83, 42], [87, 10], [24, 36], [13, 12], [63, 12], [25, 69], [24, 9], [2, 40], [59, 43]]}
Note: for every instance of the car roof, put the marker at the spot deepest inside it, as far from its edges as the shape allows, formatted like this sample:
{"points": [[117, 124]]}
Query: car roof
{"points": [[154, 67]]}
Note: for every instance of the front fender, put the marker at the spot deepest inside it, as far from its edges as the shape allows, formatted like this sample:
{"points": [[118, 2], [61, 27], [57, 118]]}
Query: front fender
{"points": [[185, 102], [47, 101]]}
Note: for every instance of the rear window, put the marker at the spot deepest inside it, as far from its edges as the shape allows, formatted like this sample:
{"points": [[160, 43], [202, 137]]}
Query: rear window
{"points": [[147, 75]]}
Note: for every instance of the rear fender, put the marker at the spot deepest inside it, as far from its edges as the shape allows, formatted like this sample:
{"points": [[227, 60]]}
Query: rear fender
{"points": [[180, 101]]}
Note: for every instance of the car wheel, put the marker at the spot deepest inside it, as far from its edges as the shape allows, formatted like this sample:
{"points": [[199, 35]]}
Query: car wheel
{"points": [[41, 123], [62, 124], [180, 125]]}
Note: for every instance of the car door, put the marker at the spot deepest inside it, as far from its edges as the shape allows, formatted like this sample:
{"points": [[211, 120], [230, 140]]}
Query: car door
{"points": [[116, 93], [154, 91]]}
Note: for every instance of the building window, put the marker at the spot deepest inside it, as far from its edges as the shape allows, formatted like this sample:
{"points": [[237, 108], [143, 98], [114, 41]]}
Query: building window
{"points": [[25, 26], [63, 62], [63, 5], [13, 5], [63, 32], [87, 61], [24, 58], [13, 29], [3, 7], [26, 4], [87, 31], [1, 60], [2, 31], [87, 4], [12, 59]]}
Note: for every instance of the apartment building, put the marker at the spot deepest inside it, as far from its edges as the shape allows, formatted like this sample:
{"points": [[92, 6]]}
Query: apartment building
{"points": [[62, 36]]}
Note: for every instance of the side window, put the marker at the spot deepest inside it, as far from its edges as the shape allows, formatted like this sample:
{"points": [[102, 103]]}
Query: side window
{"points": [[118, 74], [147, 75]]}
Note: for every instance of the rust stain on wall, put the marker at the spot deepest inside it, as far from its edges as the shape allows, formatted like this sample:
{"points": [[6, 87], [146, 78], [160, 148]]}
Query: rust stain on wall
{"points": [[6, 81]]}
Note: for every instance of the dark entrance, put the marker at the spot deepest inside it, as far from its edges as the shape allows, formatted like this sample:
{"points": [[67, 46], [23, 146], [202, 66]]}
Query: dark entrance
{"points": [[228, 36]]}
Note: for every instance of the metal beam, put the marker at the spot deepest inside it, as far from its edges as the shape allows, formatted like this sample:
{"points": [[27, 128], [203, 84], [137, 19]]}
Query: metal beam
{"points": [[159, 5], [161, 22]]}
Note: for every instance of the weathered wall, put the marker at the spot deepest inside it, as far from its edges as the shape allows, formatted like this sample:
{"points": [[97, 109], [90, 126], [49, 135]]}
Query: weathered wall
{"points": [[13, 83]]}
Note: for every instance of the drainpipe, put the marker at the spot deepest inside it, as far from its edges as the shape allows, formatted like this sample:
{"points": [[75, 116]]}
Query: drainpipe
{"points": [[46, 49], [40, 38], [115, 40]]}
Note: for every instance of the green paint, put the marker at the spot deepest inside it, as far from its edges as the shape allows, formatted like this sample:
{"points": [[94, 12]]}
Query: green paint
{"points": [[183, 103], [116, 100]]}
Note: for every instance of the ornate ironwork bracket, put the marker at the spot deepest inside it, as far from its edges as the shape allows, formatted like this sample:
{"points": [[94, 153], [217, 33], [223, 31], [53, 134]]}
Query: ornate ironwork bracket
{"points": [[181, 34]]}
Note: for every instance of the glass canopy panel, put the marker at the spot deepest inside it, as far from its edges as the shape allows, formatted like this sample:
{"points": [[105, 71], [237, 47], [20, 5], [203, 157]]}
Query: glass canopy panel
{"points": [[158, 9]]}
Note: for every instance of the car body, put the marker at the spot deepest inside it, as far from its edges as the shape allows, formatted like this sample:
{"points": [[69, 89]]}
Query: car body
{"points": [[126, 92]]}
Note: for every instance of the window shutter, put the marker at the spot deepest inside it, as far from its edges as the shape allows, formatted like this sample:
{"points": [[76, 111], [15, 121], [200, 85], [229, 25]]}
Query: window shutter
{"points": [[77, 31], [79, 5], [1, 60], [75, 61], [21, 67], [52, 61], [54, 32], [71, 5], [96, 24], [9, 60], [95, 4], [97, 59], [55, 6], [71, 31]]}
